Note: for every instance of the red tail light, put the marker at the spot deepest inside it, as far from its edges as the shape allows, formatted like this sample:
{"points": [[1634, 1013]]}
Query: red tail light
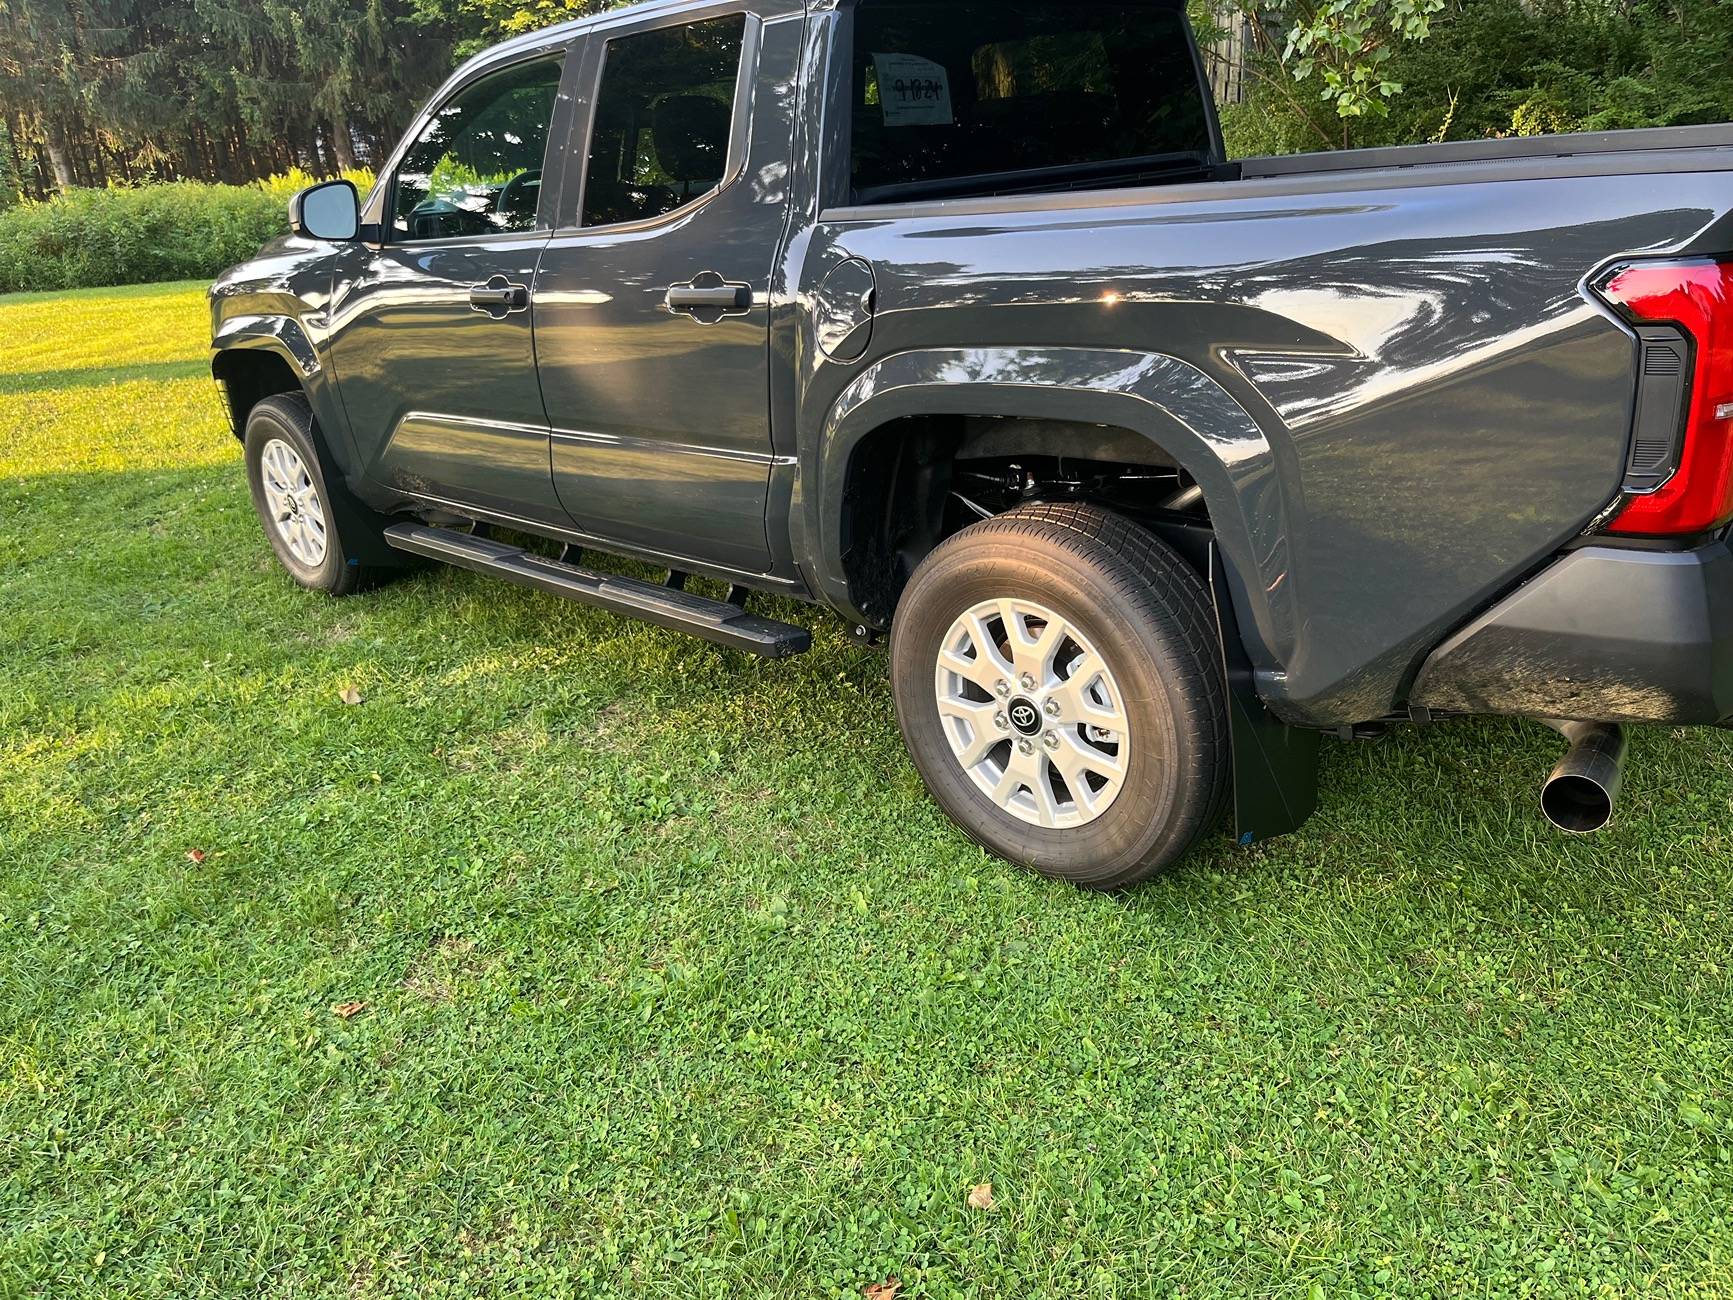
{"points": [[1697, 298]]}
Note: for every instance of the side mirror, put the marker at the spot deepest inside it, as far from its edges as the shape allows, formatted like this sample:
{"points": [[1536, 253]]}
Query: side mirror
{"points": [[330, 212]]}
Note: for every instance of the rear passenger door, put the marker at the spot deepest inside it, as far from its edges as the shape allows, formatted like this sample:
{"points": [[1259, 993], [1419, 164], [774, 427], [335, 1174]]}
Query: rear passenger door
{"points": [[652, 301]]}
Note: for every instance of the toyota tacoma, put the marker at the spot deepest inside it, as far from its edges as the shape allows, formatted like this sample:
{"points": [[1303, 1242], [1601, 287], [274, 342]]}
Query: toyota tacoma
{"points": [[953, 316]]}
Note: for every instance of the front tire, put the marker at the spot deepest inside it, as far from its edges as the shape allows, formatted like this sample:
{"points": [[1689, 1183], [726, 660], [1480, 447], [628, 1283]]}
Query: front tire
{"points": [[316, 528], [1058, 682]]}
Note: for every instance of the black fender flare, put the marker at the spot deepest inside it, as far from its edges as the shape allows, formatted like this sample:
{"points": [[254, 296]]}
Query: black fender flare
{"points": [[286, 338], [1199, 425], [1191, 417]]}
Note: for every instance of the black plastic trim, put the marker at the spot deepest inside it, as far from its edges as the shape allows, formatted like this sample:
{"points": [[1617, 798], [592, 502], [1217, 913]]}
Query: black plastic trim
{"points": [[1275, 765], [1666, 364], [1604, 634], [712, 620]]}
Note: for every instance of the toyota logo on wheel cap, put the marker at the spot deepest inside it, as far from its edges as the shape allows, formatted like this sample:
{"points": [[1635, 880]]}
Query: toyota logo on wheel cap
{"points": [[1025, 717]]}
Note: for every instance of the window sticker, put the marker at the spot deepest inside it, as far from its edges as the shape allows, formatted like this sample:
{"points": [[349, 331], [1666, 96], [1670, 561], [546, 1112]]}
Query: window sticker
{"points": [[913, 91]]}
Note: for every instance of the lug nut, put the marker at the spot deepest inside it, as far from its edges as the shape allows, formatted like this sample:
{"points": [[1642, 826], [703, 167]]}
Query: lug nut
{"points": [[1028, 681], [1026, 746], [1002, 722], [1051, 740], [1053, 708], [1003, 688]]}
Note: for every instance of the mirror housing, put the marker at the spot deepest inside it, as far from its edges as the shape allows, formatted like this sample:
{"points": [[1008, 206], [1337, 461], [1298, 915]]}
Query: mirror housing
{"points": [[330, 212]]}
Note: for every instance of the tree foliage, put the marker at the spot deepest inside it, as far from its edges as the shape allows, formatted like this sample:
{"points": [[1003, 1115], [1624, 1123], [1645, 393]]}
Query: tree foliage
{"points": [[100, 91], [95, 91], [1346, 44]]}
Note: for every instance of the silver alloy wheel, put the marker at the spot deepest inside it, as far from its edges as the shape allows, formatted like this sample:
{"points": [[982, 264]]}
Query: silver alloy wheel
{"points": [[293, 501], [1033, 713]]}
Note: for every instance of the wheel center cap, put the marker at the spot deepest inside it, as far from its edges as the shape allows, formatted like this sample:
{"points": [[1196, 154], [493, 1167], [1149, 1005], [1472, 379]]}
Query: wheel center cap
{"points": [[1024, 716]]}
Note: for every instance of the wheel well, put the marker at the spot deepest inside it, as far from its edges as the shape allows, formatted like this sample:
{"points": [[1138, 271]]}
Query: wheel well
{"points": [[914, 482], [248, 376]]}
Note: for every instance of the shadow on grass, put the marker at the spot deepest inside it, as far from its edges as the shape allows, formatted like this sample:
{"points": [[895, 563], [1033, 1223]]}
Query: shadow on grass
{"points": [[38, 381]]}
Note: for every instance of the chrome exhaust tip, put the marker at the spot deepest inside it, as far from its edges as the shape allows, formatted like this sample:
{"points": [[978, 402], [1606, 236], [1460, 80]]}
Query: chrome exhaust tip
{"points": [[1580, 795]]}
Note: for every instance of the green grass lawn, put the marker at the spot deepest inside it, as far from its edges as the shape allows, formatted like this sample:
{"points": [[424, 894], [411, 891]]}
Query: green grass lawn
{"points": [[676, 985]]}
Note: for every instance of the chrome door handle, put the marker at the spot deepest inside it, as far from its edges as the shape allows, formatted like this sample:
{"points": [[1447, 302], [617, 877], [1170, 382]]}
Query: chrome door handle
{"points": [[499, 297], [708, 298], [729, 297]]}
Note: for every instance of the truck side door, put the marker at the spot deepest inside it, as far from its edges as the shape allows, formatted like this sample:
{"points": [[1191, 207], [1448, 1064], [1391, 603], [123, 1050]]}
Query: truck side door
{"points": [[432, 342], [652, 299]]}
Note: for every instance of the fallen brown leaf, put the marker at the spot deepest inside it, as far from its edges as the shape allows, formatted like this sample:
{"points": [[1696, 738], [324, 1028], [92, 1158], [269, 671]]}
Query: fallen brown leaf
{"points": [[349, 695], [348, 1010], [886, 1290], [195, 855], [981, 1196]]}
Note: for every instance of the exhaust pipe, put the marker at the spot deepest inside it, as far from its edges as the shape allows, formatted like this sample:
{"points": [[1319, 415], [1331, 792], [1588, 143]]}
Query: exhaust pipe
{"points": [[1580, 794]]}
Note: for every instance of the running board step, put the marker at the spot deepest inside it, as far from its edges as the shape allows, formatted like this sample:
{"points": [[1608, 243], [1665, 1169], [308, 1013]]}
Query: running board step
{"points": [[713, 620]]}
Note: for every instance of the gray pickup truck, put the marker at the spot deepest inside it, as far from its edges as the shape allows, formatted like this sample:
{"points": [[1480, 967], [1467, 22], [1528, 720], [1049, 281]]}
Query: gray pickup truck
{"points": [[952, 315]]}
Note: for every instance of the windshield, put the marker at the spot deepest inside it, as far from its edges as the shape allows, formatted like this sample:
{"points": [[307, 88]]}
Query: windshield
{"points": [[949, 91]]}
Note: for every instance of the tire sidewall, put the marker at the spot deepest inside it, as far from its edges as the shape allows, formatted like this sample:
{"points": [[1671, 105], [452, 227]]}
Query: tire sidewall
{"points": [[1151, 819], [269, 421]]}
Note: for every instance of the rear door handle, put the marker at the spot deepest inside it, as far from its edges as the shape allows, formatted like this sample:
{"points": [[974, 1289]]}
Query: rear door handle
{"points": [[726, 297], [499, 297], [709, 298]]}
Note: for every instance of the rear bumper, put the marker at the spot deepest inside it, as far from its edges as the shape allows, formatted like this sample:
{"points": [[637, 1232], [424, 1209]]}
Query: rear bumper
{"points": [[1607, 634]]}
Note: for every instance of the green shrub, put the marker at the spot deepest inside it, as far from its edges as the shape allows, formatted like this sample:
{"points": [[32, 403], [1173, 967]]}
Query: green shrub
{"points": [[185, 230], [1497, 68], [1258, 128], [285, 185]]}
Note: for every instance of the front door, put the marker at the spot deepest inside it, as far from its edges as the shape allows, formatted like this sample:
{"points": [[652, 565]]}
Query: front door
{"points": [[652, 305], [432, 340]]}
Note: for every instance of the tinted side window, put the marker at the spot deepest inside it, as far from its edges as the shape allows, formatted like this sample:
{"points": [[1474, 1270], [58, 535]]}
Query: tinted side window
{"points": [[945, 90], [476, 168], [663, 120]]}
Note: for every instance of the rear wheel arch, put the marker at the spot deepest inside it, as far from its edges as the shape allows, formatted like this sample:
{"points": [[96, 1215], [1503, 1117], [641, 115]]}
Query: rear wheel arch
{"points": [[915, 481], [1141, 410]]}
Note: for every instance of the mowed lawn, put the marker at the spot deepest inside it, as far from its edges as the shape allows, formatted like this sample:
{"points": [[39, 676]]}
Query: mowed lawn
{"points": [[674, 984]]}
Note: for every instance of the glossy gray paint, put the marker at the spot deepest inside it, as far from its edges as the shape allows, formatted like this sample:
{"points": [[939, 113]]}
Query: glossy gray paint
{"points": [[1389, 380], [1440, 406], [408, 347], [661, 420], [408, 350], [274, 306]]}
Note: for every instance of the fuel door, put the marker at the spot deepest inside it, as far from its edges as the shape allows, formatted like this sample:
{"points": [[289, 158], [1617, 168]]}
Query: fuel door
{"points": [[843, 310]]}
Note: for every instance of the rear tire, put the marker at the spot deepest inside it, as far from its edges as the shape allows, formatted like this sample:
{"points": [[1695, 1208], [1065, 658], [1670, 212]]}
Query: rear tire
{"points": [[1058, 681], [318, 530]]}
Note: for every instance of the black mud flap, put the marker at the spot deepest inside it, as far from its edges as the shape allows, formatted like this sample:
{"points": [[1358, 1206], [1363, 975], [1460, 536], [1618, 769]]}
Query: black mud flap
{"points": [[1275, 765]]}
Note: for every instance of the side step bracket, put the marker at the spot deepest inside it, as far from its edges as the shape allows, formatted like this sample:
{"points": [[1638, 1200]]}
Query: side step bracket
{"points": [[682, 611]]}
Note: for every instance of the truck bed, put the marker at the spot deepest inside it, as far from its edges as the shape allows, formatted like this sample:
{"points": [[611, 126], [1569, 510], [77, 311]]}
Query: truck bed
{"points": [[1514, 149], [1387, 359]]}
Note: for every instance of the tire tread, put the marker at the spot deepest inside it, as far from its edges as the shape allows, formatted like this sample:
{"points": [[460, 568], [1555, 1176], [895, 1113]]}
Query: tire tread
{"points": [[1155, 586], [294, 410]]}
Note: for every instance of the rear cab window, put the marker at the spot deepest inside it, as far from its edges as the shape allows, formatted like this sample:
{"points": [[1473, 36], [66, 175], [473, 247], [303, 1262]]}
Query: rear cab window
{"points": [[968, 97], [664, 120]]}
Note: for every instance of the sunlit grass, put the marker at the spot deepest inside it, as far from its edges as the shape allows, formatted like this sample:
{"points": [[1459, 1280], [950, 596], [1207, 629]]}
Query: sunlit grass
{"points": [[677, 985]]}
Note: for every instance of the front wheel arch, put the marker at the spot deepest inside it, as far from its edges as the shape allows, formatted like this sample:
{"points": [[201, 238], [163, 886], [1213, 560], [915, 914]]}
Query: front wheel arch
{"points": [[247, 376]]}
